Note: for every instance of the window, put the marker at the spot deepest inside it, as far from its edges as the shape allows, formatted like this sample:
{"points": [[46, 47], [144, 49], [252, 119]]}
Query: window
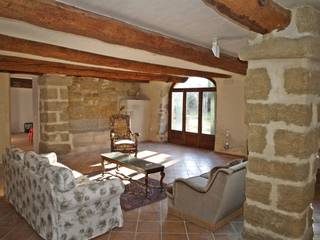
{"points": [[193, 109]]}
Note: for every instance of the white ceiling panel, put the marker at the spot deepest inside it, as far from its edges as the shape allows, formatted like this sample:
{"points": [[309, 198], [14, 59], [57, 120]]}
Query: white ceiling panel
{"points": [[188, 20]]}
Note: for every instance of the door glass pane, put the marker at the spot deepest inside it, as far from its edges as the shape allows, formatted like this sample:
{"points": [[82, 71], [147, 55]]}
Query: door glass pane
{"points": [[192, 105], [176, 114], [208, 113]]}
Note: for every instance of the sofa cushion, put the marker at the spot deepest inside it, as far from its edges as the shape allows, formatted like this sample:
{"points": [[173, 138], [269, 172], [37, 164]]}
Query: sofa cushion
{"points": [[52, 157], [75, 173], [15, 153], [32, 161], [60, 177]]}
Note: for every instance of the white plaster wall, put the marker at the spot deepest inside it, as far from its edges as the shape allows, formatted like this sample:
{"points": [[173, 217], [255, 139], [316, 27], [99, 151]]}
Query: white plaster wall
{"points": [[231, 115], [21, 108], [4, 112], [230, 112]]}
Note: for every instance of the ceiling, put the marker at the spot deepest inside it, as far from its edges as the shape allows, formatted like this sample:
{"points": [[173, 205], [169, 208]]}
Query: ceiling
{"points": [[190, 21]]}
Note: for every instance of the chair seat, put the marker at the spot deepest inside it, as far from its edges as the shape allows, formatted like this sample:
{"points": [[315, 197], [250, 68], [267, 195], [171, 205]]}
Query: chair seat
{"points": [[124, 141]]}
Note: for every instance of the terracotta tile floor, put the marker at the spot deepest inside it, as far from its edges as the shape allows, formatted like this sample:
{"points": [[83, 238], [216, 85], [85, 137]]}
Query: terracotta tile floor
{"points": [[152, 222]]}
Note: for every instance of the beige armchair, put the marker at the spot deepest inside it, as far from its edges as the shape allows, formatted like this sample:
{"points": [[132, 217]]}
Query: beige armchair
{"points": [[212, 199], [122, 139]]}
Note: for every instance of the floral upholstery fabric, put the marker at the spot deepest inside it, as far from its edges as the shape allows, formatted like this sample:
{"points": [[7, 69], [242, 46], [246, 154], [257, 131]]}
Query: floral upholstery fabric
{"points": [[57, 205]]}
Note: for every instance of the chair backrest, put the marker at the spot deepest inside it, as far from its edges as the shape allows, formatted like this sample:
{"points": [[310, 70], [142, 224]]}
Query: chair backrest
{"points": [[120, 125], [229, 184]]}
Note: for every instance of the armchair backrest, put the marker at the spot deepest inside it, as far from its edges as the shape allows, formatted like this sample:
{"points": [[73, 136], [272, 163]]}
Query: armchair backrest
{"points": [[229, 185], [120, 126]]}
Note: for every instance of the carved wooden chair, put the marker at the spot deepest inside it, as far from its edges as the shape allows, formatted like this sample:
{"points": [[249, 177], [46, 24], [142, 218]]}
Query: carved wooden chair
{"points": [[122, 138]]}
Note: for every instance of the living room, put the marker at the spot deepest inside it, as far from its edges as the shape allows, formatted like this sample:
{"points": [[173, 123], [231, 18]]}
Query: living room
{"points": [[82, 72]]}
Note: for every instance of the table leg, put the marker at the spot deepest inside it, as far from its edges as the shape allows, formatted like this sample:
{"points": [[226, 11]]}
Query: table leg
{"points": [[102, 165], [161, 179], [146, 182]]}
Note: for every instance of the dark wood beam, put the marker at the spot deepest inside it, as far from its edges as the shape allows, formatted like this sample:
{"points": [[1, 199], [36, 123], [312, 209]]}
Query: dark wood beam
{"points": [[46, 50], [24, 65], [261, 16], [64, 18]]}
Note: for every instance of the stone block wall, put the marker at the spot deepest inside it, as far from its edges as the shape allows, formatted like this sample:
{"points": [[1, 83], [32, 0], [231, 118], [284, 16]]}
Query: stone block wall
{"points": [[75, 112], [282, 95], [54, 115]]}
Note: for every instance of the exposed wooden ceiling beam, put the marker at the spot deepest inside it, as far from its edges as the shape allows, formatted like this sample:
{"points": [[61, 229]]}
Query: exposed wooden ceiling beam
{"points": [[62, 17], [24, 65], [46, 50], [261, 16]]}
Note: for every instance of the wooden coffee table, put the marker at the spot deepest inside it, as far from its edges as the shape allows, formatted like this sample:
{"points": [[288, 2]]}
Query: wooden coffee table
{"points": [[139, 165]]}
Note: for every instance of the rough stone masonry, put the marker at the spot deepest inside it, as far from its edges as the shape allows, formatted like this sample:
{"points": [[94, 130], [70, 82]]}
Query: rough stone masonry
{"points": [[283, 109], [75, 112]]}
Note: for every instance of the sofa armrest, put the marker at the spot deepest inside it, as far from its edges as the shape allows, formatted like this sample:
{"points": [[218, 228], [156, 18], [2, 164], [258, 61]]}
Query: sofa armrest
{"points": [[88, 193]]}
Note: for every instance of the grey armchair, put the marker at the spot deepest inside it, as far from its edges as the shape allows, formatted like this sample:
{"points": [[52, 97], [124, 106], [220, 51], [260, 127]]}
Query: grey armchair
{"points": [[211, 199]]}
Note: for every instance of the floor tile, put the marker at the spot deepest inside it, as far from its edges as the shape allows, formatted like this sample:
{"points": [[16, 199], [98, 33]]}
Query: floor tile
{"points": [[35, 236], [127, 227], [148, 236], [227, 237], [171, 217], [131, 215], [122, 236], [154, 227], [149, 216], [227, 229], [102, 237], [200, 236], [4, 231], [173, 227], [193, 228], [19, 232], [174, 237]]}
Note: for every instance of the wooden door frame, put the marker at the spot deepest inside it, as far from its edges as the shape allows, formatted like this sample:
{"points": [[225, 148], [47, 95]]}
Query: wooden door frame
{"points": [[184, 91]]}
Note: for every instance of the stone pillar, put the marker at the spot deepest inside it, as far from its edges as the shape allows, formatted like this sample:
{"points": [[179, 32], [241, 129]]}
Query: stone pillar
{"points": [[54, 115], [4, 112], [283, 114]]}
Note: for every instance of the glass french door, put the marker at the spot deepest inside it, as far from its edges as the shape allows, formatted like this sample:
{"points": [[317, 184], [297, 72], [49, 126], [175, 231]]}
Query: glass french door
{"points": [[192, 116]]}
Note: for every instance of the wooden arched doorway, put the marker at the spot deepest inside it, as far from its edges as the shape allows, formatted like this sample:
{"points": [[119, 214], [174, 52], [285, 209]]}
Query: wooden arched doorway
{"points": [[192, 113]]}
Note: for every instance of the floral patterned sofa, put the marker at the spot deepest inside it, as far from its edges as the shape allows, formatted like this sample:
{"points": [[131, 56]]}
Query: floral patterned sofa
{"points": [[57, 204]]}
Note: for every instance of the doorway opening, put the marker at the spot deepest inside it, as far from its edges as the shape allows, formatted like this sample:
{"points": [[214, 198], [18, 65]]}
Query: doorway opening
{"points": [[22, 111], [192, 113]]}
